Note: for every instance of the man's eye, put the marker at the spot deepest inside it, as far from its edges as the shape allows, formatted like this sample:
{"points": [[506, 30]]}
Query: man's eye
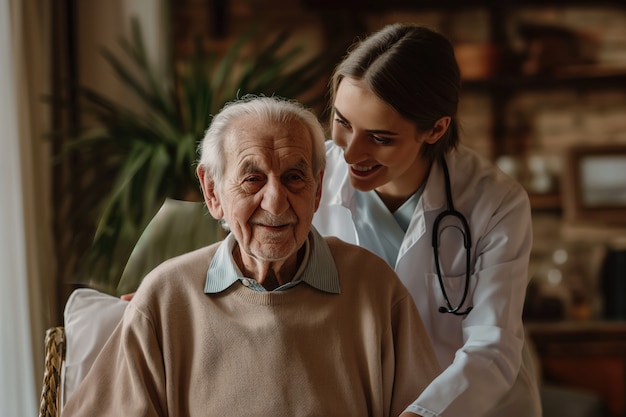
{"points": [[380, 141], [295, 180], [252, 184], [294, 177], [251, 179]]}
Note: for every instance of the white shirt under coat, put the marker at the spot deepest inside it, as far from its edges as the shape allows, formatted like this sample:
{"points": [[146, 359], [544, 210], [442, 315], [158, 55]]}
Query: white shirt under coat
{"points": [[488, 370]]}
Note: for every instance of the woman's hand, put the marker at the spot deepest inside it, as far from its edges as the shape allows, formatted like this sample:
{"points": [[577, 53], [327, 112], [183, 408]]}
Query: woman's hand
{"points": [[127, 297]]}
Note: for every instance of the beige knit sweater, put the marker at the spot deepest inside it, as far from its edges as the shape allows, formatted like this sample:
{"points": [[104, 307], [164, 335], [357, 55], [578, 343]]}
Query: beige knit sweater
{"points": [[300, 352]]}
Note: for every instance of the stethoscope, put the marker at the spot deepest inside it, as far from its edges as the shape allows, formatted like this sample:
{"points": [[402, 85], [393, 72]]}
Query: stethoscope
{"points": [[467, 242]]}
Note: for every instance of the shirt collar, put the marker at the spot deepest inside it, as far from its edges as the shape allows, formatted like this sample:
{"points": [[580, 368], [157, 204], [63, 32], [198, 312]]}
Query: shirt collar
{"points": [[317, 269], [434, 196]]}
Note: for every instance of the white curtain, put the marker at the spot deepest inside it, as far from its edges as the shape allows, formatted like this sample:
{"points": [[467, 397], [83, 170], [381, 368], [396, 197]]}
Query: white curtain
{"points": [[25, 231], [28, 289]]}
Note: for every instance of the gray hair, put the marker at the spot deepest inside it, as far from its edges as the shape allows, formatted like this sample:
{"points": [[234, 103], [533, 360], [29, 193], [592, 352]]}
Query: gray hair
{"points": [[211, 149]]}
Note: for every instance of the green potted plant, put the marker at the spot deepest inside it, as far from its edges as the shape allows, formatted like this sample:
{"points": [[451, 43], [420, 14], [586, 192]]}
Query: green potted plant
{"points": [[147, 156]]}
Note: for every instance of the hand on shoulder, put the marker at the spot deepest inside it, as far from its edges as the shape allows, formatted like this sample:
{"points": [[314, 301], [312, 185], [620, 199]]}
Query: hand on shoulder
{"points": [[127, 297]]}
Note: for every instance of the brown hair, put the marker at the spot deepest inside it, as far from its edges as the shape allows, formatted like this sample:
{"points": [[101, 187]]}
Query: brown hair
{"points": [[414, 70]]}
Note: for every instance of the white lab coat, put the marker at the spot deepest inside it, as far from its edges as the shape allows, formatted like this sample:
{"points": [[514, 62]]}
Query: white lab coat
{"points": [[487, 369]]}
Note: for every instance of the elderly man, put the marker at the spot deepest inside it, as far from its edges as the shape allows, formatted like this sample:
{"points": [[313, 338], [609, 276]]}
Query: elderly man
{"points": [[275, 320]]}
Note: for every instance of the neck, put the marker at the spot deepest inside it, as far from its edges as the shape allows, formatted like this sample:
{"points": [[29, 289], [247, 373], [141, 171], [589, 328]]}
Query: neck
{"points": [[270, 274], [393, 195], [392, 202]]}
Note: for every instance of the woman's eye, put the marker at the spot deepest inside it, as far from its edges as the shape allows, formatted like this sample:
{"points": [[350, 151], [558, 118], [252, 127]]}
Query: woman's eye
{"points": [[342, 122]]}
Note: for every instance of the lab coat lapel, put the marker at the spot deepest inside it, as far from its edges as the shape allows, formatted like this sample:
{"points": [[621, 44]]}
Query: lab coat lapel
{"points": [[433, 199]]}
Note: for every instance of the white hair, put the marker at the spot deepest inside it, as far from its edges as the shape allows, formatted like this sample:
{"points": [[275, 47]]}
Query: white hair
{"points": [[273, 108]]}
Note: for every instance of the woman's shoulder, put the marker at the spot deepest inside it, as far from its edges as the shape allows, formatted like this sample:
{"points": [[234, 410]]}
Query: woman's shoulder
{"points": [[335, 174], [334, 154], [482, 188], [476, 170]]}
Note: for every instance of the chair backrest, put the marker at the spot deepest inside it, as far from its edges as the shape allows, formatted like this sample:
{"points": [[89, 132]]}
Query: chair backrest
{"points": [[90, 317], [52, 381]]}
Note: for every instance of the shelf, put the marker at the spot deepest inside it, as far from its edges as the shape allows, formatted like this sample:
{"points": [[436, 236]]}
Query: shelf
{"points": [[595, 78], [588, 355], [547, 202], [580, 331], [448, 5]]}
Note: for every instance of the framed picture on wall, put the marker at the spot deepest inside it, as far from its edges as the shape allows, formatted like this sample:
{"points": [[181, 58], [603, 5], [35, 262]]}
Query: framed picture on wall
{"points": [[594, 184]]}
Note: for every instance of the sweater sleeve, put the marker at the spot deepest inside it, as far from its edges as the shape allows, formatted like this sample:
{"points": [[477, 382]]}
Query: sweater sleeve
{"points": [[127, 378]]}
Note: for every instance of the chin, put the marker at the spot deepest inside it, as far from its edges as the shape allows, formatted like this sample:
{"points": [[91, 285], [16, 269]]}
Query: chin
{"points": [[362, 185], [274, 252]]}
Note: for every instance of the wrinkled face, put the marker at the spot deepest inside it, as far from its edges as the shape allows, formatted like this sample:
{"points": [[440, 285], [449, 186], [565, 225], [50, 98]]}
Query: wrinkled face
{"points": [[269, 192], [381, 147]]}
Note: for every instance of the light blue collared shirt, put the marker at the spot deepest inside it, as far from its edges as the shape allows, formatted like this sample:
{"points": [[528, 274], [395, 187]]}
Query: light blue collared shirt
{"points": [[379, 230], [317, 268]]}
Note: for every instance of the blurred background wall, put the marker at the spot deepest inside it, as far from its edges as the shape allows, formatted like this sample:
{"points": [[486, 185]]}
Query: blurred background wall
{"points": [[540, 78]]}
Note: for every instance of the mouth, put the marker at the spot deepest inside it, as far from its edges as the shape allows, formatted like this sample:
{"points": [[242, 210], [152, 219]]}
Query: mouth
{"points": [[362, 170], [274, 226]]}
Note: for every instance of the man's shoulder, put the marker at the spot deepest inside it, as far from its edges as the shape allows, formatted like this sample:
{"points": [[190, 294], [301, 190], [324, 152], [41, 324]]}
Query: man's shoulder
{"points": [[188, 268], [174, 286], [337, 245], [366, 276], [354, 259]]}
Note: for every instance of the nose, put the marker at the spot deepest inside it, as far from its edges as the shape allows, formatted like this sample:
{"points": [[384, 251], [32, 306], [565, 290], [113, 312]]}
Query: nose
{"points": [[275, 197], [353, 148]]}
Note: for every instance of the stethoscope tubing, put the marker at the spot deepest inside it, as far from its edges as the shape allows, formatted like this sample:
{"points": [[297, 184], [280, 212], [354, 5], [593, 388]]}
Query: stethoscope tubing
{"points": [[467, 243]]}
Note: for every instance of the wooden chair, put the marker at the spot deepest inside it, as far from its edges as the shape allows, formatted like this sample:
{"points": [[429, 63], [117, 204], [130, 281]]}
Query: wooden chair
{"points": [[52, 383], [91, 316]]}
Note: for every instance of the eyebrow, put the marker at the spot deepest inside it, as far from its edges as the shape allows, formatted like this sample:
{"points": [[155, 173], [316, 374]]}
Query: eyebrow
{"points": [[375, 131], [250, 167], [302, 165]]}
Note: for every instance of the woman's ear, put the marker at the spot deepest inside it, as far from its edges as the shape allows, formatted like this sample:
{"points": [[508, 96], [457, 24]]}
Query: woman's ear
{"points": [[211, 197], [438, 130]]}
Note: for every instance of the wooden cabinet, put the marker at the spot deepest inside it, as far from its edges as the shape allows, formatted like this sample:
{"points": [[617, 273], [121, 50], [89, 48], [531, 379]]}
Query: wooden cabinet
{"points": [[586, 355]]}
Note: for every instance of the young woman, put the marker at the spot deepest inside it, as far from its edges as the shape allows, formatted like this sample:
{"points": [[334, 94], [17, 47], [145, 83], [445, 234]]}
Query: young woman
{"points": [[456, 230]]}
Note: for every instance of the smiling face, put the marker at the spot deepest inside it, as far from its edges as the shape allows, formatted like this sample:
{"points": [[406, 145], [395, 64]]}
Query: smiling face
{"points": [[381, 147], [269, 192]]}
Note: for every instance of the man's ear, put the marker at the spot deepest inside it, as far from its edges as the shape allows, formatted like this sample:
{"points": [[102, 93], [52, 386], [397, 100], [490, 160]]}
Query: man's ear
{"points": [[438, 130], [318, 193], [211, 198]]}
